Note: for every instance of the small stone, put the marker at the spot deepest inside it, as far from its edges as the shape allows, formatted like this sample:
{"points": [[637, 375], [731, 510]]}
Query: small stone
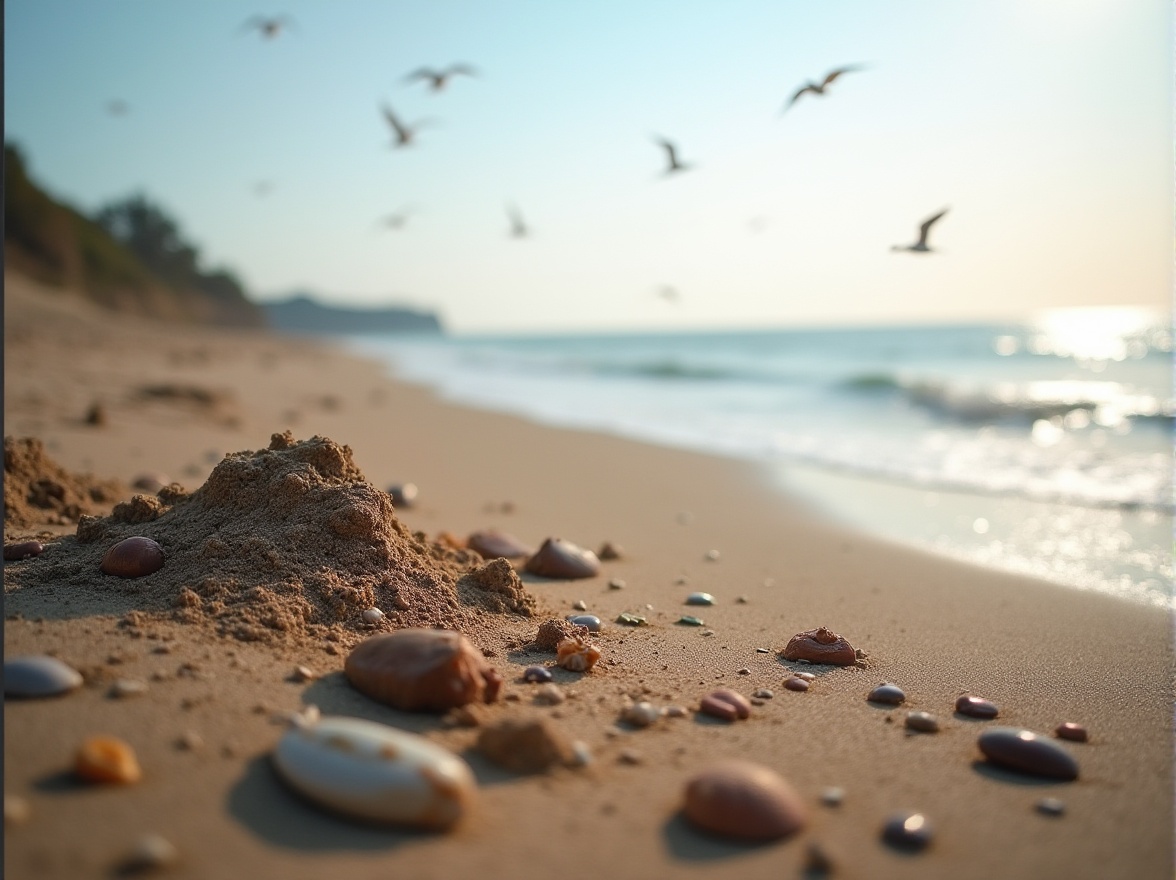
{"points": [[1027, 752], [743, 671], [726, 704], [549, 695], [303, 674], [817, 861], [641, 714], [1071, 731], [557, 558], [676, 712], [742, 600], [610, 552], [373, 616], [536, 674], [796, 683], [629, 756], [700, 599], [190, 741], [493, 544], [804, 676], [133, 557], [626, 618], [976, 707], [712, 556], [16, 810], [1051, 806], [763, 651], [580, 605], [151, 852], [616, 584], [689, 620], [745, 801], [833, 796], [39, 675], [404, 495], [763, 694], [820, 645], [105, 759], [127, 687], [907, 831], [886, 693], [923, 722], [22, 550], [581, 754], [590, 622]]}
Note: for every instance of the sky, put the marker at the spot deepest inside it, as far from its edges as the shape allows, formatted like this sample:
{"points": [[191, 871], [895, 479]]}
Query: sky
{"points": [[1044, 127]]}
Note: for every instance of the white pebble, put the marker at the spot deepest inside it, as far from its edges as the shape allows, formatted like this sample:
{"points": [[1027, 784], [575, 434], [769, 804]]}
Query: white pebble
{"points": [[580, 605], [641, 714], [128, 687], [373, 616], [151, 852], [549, 694]]}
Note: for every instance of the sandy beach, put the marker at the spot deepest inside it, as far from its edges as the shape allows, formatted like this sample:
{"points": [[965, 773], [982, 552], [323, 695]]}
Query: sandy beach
{"points": [[203, 731]]}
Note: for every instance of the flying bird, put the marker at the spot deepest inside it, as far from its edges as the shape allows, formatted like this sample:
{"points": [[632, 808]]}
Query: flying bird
{"points": [[438, 79], [671, 156], [268, 27], [819, 88], [404, 134], [921, 246], [518, 228]]}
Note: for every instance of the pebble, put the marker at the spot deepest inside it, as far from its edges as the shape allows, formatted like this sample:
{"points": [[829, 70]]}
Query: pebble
{"points": [[493, 544], [817, 861], [833, 796], [127, 687], [726, 704], [1051, 807], [610, 552], [16, 810], [580, 605], [820, 645], [745, 801], [105, 759], [590, 622], [641, 714], [526, 745], [375, 772], [924, 722], [886, 693], [576, 655], [549, 695], [690, 620], [712, 556], [976, 707], [907, 831], [629, 756], [557, 558], [763, 694], [151, 852], [22, 550], [676, 712], [742, 600], [422, 669], [404, 494], [796, 683], [804, 676], [133, 557], [303, 674], [1027, 752], [762, 651], [1071, 731], [39, 675], [190, 741], [616, 584], [373, 616], [628, 619], [700, 599], [536, 674]]}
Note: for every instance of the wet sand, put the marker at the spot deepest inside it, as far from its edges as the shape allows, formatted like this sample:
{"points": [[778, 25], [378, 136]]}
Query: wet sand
{"points": [[1044, 654]]}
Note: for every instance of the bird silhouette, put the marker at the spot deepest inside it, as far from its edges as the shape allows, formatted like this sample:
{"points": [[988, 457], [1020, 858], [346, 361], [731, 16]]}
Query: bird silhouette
{"points": [[268, 27], [674, 164], [438, 79], [404, 134], [518, 228], [920, 246], [819, 88]]}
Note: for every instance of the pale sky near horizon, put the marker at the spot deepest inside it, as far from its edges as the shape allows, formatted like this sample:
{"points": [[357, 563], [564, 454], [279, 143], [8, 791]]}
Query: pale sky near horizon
{"points": [[1044, 126]]}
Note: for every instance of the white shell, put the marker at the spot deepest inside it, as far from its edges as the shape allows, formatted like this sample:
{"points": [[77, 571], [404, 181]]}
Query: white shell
{"points": [[375, 772], [38, 676]]}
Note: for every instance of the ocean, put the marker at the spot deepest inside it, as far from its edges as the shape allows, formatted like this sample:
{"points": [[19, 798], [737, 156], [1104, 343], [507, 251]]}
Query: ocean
{"points": [[1043, 447]]}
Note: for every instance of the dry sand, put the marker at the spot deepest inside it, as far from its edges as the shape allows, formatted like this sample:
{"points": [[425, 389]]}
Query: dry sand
{"points": [[1043, 653]]}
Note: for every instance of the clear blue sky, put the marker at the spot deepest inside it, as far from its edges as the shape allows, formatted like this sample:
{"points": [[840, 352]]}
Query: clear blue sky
{"points": [[1044, 125]]}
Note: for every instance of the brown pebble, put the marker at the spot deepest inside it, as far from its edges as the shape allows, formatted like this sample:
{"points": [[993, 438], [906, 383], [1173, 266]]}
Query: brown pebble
{"points": [[133, 557], [1071, 731], [609, 552], [820, 645], [923, 722], [796, 684], [493, 544], [744, 671], [726, 704], [557, 558], [526, 745], [422, 669], [1027, 752], [976, 707], [22, 550], [746, 801], [886, 693]]}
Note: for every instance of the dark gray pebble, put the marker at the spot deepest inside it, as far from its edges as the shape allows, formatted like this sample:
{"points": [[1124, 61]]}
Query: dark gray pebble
{"points": [[1027, 752], [38, 675], [590, 621], [537, 674], [924, 722], [886, 693], [976, 707], [907, 831]]}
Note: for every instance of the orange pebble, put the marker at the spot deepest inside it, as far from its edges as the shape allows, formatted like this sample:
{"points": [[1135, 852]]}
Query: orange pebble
{"points": [[108, 760]]}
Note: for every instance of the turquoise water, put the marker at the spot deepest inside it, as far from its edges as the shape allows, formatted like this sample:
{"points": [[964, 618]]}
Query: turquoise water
{"points": [[1043, 447]]}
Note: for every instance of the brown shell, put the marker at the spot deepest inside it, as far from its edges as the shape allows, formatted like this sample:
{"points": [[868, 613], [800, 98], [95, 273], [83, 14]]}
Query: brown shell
{"points": [[493, 544], [422, 670], [562, 559], [820, 645], [133, 557], [746, 801]]}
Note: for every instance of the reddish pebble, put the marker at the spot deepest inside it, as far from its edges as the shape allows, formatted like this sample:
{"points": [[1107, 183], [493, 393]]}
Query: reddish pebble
{"points": [[726, 704], [493, 544], [796, 684], [562, 559], [133, 557], [1027, 752], [1073, 732], [22, 550], [820, 645], [976, 707], [746, 801]]}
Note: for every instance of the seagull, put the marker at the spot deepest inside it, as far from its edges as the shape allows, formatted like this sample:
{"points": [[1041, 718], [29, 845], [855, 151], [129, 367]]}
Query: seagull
{"points": [[920, 246], [439, 78], [671, 155], [404, 134], [819, 89], [269, 27], [518, 229]]}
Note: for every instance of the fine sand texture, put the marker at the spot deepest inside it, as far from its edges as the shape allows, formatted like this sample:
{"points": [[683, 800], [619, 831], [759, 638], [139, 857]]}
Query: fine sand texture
{"points": [[114, 398]]}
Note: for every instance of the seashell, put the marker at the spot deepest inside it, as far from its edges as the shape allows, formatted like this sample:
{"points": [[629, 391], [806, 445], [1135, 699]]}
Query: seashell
{"points": [[746, 801], [373, 616], [576, 654], [422, 669], [105, 759], [700, 599], [907, 831], [641, 714], [493, 544], [537, 674], [1027, 752], [526, 745], [22, 550], [886, 693], [557, 558], [820, 645], [924, 722], [133, 557], [403, 494], [375, 772], [976, 707], [726, 704], [38, 675], [1071, 731], [589, 621]]}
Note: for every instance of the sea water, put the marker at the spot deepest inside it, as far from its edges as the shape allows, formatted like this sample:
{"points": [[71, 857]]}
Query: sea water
{"points": [[1043, 447]]}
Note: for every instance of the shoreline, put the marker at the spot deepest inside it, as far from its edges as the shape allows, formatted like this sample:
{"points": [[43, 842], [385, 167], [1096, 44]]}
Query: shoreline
{"points": [[1044, 653]]}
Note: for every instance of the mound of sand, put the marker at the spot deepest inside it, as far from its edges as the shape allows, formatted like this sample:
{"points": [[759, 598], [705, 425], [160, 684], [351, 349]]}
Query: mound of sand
{"points": [[37, 490]]}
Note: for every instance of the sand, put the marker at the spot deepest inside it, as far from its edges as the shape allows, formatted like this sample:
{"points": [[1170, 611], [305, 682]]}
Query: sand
{"points": [[202, 729]]}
